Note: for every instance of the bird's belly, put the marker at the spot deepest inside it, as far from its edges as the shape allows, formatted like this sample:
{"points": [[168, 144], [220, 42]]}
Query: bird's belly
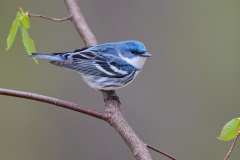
{"points": [[106, 83]]}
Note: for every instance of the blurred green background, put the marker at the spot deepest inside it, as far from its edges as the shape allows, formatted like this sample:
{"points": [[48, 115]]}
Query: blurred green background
{"points": [[179, 102]]}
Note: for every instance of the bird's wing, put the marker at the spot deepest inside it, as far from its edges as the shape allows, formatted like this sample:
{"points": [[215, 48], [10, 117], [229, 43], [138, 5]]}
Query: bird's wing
{"points": [[92, 63]]}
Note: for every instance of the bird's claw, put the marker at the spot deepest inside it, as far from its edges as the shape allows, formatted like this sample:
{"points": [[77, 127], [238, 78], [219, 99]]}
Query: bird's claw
{"points": [[112, 97]]}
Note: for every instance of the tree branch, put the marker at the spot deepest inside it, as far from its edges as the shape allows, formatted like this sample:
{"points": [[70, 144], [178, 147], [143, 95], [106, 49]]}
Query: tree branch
{"points": [[54, 101], [117, 120], [113, 118], [75, 107], [112, 112], [120, 124], [80, 23]]}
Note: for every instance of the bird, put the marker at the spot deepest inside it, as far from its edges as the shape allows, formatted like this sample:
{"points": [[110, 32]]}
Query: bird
{"points": [[104, 67]]}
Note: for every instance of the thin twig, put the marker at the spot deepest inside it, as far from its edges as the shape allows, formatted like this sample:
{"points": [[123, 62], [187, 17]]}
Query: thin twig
{"points": [[54, 101], [159, 151], [50, 18], [232, 147]]}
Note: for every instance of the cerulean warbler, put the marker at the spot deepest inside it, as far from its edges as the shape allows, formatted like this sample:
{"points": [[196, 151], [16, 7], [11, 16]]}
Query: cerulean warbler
{"points": [[105, 66]]}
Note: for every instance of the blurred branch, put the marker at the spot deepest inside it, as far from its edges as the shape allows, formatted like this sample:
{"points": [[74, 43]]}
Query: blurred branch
{"points": [[49, 18], [232, 147]]}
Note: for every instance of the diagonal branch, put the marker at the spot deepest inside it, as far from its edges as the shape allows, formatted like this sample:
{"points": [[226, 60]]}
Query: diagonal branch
{"points": [[120, 124], [54, 101], [159, 151], [80, 23]]}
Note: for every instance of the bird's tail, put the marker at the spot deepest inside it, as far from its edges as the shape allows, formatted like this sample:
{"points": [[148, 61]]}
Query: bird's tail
{"points": [[54, 57]]}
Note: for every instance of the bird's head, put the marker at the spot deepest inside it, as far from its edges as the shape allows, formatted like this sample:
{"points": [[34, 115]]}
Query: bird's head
{"points": [[134, 52]]}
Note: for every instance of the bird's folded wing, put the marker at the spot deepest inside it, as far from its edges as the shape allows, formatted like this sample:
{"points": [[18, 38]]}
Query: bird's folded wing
{"points": [[89, 63]]}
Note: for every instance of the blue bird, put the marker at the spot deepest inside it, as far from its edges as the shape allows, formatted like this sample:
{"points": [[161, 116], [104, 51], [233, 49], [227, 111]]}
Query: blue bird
{"points": [[104, 67]]}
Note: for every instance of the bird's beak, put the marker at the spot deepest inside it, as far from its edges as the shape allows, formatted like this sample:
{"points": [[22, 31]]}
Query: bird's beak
{"points": [[146, 55]]}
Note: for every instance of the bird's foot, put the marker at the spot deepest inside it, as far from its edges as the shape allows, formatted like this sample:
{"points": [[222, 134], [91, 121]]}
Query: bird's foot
{"points": [[110, 95], [113, 97]]}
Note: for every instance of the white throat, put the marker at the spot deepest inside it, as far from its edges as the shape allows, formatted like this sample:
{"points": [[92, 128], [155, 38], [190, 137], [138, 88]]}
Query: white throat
{"points": [[137, 62]]}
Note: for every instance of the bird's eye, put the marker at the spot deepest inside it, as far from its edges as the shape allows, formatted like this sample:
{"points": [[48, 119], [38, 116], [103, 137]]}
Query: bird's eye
{"points": [[133, 51]]}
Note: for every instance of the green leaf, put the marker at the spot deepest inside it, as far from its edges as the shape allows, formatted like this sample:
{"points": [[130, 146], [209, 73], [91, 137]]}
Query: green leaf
{"points": [[25, 20], [13, 31], [230, 130], [28, 42]]}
